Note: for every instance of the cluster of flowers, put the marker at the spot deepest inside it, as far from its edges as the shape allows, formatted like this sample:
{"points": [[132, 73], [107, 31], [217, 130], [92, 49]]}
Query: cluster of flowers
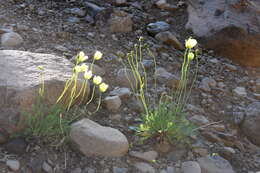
{"points": [[97, 80]]}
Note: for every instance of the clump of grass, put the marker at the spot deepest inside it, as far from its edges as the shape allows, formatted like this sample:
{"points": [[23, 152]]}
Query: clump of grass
{"points": [[164, 118], [48, 124]]}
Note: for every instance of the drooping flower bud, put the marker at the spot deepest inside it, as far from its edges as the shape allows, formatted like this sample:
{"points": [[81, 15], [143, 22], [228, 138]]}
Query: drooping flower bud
{"points": [[191, 56]]}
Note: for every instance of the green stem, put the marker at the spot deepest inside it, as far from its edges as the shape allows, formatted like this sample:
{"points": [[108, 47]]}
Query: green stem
{"points": [[67, 85], [99, 103], [84, 91], [73, 92], [81, 89], [92, 95]]}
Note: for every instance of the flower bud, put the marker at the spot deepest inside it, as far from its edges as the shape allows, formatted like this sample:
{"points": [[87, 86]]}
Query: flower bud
{"points": [[191, 56], [40, 67]]}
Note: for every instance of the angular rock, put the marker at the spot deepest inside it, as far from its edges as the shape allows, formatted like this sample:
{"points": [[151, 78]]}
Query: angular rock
{"points": [[93, 139], [238, 117], [227, 153], [240, 91], [14, 165], [148, 64], [201, 151], [162, 4], [77, 11], [257, 89], [148, 156], [230, 28], [121, 22], [251, 124], [144, 167], [207, 83], [121, 2], [135, 104], [11, 39], [76, 170], [119, 170], [20, 82], [199, 120], [212, 137], [121, 92], [157, 27], [16, 146], [96, 11], [3, 136], [4, 18], [215, 164], [167, 78], [125, 78], [5, 30], [46, 167], [178, 154], [73, 19], [170, 39], [170, 169], [190, 167], [113, 103]]}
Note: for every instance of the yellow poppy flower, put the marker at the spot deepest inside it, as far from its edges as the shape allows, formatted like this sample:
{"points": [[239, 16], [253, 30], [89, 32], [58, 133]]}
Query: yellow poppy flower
{"points": [[77, 68], [97, 80], [88, 74], [84, 67], [103, 87], [98, 55], [82, 57], [190, 43]]}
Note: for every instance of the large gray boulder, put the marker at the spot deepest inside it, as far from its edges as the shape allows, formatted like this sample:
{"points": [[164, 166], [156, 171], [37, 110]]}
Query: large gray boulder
{"points": [[93, 139], [230, 27], [251, 124], [20, 81]]}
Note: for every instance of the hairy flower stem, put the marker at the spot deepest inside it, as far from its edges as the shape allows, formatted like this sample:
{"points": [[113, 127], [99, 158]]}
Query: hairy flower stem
{"points": [[67, 85], [92, 95]]}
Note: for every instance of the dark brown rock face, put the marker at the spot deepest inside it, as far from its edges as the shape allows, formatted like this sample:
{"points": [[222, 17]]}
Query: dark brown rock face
{"points": [[230, 27]]}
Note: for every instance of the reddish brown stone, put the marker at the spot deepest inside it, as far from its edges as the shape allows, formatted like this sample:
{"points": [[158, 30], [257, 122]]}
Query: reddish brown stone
{"points": [[230, 28]]}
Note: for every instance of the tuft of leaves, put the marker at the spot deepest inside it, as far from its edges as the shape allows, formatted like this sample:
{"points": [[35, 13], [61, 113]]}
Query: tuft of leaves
{"points": [[50, 124], [164, 123]]}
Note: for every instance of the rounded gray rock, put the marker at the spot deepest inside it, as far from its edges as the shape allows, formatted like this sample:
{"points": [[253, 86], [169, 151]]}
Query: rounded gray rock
{"points": [[215, 164], [190, 167], [11, 39], [93, 139], [251, 124]]}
